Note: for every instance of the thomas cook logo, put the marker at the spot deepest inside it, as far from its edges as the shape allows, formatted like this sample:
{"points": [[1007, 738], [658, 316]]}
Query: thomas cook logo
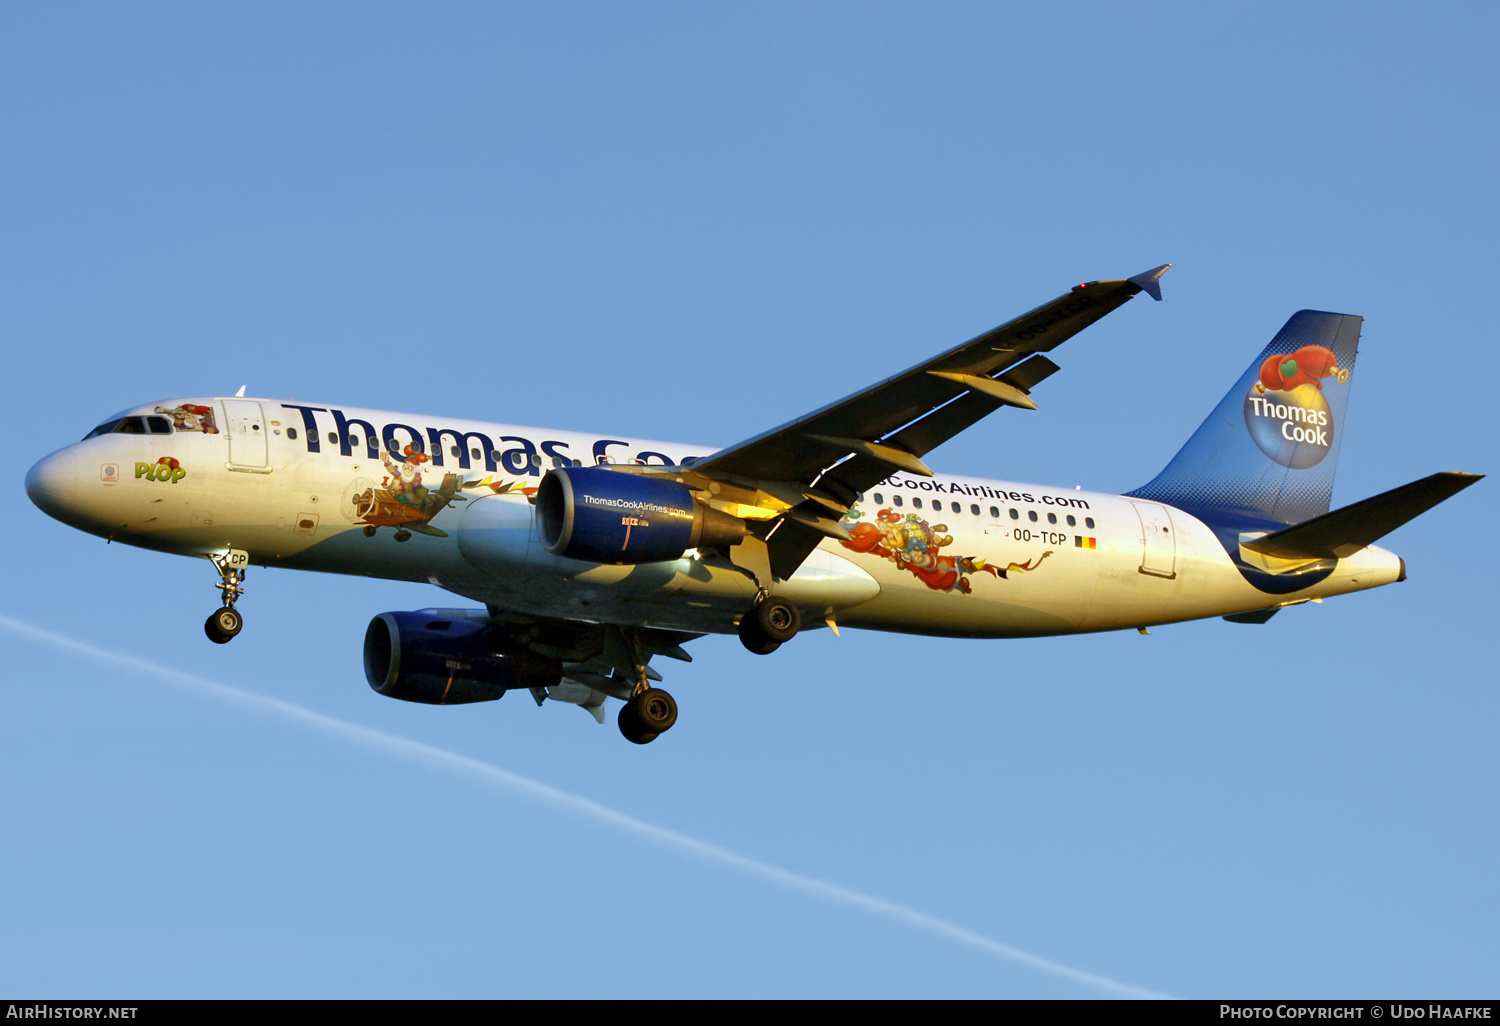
{"points": [[1286, 411]]}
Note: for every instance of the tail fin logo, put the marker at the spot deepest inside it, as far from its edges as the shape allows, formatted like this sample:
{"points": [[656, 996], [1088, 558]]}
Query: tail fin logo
{"points": [[1286, 412]]}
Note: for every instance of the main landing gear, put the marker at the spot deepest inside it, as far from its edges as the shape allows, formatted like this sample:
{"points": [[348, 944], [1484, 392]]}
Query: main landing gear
{"points": [[225, 623], [769, 623], [649, 712]]}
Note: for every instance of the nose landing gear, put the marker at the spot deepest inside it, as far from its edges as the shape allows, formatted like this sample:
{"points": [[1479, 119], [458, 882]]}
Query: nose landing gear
{"points": [[768, 624], [224, 623]]}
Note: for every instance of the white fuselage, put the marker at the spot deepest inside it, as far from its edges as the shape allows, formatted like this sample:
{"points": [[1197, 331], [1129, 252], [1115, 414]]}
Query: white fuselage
{"points": [[955, 556]]}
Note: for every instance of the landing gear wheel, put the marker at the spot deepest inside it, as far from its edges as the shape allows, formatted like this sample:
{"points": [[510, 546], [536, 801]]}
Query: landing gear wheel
{"points": [[222, 625], [753, 638], [403, 534], [631, 726], [369, 532], [770, 622], [778, 619], [655, 710]]}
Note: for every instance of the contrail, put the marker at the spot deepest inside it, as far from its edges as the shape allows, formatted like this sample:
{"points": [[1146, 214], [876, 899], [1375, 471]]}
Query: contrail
{"points": [[487, 773]]}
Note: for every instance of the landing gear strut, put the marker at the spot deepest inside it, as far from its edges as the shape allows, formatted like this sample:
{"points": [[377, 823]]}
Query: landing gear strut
{"points": [[225, 623], [649, 711], [768, 624]]}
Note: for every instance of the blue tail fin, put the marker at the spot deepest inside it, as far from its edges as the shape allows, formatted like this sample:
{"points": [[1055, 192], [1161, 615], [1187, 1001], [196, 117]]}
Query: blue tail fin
{"points": [[1270, 448]]}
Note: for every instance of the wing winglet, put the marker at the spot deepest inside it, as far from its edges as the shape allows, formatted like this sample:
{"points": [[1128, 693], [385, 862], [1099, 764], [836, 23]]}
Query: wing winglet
{"points": [[1150, 281]]}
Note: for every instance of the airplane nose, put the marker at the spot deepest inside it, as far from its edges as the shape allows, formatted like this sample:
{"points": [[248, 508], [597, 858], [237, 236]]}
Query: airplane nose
{"points": [[52, 483]]}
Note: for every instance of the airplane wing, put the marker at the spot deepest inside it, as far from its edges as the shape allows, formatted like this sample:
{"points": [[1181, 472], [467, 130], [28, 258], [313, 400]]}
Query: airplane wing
{"points": [[806, 473]]}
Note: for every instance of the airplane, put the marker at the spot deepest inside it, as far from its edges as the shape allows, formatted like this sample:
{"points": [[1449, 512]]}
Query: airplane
{"points": [[593, 555]]}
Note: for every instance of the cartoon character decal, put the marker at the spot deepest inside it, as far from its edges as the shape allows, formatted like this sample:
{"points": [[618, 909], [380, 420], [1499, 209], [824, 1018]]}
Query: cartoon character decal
{"points": [[405, 501], [915, 545], [191, 417], [402, 500], [1284, 372]]}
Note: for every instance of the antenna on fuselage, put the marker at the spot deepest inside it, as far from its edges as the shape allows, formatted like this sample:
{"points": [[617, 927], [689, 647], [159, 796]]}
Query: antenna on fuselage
{"points": [[241, 393]]}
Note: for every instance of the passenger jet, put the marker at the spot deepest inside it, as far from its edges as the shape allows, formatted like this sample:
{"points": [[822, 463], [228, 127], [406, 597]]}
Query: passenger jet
{"points": [[593, 555]]}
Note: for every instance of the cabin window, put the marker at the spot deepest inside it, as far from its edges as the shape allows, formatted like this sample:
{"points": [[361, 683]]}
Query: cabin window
{"points": [[896, 499], [1051, 518], [474, 454], [1015, 514], [453, 451], [1089, 521], [333, 438], [974, 509], [1072, 520], [494, 456], [917, 503], [291, 433], [1031, 514], [994, 512], [879, 499], [957, 508]]}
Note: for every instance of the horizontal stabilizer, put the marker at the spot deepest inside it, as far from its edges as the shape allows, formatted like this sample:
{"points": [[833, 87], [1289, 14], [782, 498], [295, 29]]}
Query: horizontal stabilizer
{"points": [[1345, 531]]}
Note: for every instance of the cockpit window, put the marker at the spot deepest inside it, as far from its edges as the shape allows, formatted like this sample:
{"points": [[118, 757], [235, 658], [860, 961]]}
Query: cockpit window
{"points": [[133, 426]]}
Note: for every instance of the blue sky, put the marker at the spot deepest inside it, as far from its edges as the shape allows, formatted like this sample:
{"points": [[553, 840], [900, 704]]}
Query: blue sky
{"points": [[693, 222]]}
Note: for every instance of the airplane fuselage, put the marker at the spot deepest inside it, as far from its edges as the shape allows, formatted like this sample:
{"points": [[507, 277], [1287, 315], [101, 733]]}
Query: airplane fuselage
{"points": [[451, 502]]}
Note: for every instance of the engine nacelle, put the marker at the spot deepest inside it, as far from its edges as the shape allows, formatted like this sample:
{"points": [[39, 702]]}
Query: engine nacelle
{"points": [[439, 660], [609, 516]]}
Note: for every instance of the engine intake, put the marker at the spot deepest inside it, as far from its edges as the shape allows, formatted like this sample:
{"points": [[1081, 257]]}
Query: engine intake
{"points": [[608, 516], [439, 660]]}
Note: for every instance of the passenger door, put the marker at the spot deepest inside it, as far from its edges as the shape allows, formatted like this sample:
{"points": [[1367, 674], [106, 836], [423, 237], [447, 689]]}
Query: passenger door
{"points": [[247, 435]]}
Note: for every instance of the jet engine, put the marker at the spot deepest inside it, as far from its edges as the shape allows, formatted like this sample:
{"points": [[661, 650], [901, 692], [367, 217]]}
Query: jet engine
{"points": [[608, 516], [441, 660]]}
